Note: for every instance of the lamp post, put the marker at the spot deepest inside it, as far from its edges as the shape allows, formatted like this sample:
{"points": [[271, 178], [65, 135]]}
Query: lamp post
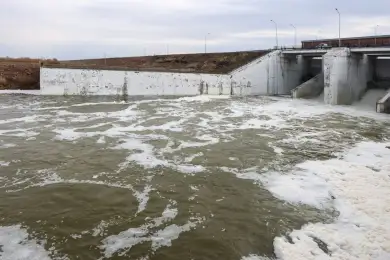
{"points": [[295, 35], [205, 42], [337, 10], [276, 27], [376, 32]]}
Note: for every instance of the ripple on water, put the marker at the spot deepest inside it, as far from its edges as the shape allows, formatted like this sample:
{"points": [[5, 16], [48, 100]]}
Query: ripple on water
{"points": [[192, 177]]}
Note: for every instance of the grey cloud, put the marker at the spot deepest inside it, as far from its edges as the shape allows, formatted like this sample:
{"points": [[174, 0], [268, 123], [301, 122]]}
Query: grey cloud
{"points": [[71, 29]]}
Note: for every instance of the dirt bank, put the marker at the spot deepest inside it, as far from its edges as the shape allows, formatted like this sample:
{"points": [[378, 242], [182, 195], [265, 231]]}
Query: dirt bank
{"points": [[20, 73], [217, 63]]}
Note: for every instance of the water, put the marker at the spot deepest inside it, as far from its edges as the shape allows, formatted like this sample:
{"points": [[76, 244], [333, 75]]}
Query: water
{"points": [[172, 178]]}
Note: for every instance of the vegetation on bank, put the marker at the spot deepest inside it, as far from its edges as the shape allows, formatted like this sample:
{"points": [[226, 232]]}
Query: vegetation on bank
{"points": [[21, 73]]}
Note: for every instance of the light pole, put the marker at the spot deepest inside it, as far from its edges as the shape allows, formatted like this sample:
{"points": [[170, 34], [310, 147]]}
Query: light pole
{"points": [[337, 10], [376, 32], [276, 27], [295, 35], [205, 42]]}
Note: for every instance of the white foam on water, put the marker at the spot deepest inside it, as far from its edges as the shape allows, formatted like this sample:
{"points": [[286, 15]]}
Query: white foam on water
{"points": [[143, 198], [101, 140], [20, 91], [50, 108], [125, 240], [163, 238], [99, 103], [100, 229], [48, 177], [144, 155], [70, 134], [208, 140], [299, 187], [359, 181], [4, 146], [26, 119], [189, 168], [19, 133], [276, 149], [4, 164], [190, 158], [256, 257], [194, 188], [202, 98], [16, 245]]}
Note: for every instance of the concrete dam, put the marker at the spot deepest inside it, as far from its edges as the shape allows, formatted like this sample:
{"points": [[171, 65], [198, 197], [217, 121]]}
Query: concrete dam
{"points": [[343, 75]]}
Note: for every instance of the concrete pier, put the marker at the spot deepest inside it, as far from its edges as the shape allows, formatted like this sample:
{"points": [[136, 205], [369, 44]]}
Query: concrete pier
{"points": [[383, 105], [346, 75]]}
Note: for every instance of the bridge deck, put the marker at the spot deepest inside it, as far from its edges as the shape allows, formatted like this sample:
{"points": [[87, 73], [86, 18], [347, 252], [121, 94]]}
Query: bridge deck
{"points": [[376, 51]]}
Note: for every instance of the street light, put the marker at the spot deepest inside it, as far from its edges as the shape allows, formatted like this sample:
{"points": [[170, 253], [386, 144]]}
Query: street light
{"points": [[295, 35], [337, 10], [376, 32], [205, 42], [276, 27]]}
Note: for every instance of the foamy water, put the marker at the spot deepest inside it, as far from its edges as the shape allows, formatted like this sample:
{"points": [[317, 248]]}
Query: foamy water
{"points": [[192, 178]]}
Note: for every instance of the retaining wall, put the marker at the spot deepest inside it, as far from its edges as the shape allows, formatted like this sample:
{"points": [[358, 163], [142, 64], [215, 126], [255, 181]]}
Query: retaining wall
{"points": [[259, 77], [60, 81], [311, 88]]}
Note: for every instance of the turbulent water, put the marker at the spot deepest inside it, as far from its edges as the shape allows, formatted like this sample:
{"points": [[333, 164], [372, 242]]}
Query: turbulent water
{"points": [[192, 178]]}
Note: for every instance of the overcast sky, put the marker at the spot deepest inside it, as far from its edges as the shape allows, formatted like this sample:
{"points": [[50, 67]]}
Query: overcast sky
{"points": [[69, 29]]}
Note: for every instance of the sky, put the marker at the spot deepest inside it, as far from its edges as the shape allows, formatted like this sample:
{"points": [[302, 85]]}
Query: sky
{"points": [[77, 29]]}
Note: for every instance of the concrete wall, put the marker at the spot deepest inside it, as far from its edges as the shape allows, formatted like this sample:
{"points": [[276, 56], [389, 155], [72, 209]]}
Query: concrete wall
{"points": [[311, 88], [345, 76], [56, 81], [269, 75], [272, 74], [383, 105]]}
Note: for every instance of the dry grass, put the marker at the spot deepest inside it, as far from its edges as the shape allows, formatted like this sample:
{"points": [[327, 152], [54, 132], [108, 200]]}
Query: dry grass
{"points": [[21, 73], [198, 62]]}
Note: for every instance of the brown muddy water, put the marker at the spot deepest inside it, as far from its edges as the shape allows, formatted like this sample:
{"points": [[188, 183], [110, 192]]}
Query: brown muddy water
{"points": [[152, 178]]}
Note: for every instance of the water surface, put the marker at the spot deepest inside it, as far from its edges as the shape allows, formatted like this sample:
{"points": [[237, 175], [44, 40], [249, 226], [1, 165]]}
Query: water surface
{"points": [[161, 178]]}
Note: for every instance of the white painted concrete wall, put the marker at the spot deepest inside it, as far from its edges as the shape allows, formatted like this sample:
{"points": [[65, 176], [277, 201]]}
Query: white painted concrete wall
{"points": [[271, 74], [59, 81], [345, 76]]}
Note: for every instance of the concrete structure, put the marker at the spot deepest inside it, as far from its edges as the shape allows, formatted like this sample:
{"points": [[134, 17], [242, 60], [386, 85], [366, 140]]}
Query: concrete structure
{"points": [[383, 105], [343, 75], [311, 88], [347, 71], [346, 75], [271, 74], [112, 82]]}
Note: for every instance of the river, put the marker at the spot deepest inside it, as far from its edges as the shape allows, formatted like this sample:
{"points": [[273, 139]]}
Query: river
{"points": [[192, 178]]}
